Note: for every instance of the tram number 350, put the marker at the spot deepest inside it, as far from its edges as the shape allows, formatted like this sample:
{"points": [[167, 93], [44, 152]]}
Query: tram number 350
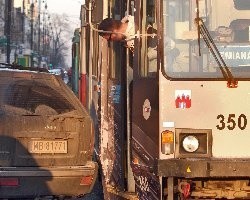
{"points": [[231, 122]]}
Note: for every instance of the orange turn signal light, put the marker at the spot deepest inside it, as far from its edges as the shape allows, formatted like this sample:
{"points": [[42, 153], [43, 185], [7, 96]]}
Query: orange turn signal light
{"points": [[167, 137]]}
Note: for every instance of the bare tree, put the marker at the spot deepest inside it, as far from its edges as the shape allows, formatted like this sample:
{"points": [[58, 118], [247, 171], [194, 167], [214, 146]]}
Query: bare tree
{"points": [[60, 34]]}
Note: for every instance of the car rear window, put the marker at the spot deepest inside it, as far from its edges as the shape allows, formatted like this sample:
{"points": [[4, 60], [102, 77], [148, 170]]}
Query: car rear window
{"points": [[36, 97]]}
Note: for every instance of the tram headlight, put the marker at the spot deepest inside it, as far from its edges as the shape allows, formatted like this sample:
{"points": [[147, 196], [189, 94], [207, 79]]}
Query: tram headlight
{"points": [[190, 143], [193, 143]]}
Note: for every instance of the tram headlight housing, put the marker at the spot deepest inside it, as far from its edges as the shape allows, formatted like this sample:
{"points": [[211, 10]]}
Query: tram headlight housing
{"points": [[193, 143], [190, 143]]}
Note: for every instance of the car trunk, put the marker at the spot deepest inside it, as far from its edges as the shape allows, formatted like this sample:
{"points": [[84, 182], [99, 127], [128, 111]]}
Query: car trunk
{"points": [[42, 123], [45, 141]]}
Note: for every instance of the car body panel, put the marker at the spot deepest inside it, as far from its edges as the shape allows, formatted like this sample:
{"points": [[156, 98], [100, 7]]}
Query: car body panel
{"points": [[46, 137]]}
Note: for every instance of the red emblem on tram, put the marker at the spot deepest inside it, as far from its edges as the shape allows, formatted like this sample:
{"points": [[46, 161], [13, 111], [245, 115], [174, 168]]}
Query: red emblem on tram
{"points": [[183, 99]]}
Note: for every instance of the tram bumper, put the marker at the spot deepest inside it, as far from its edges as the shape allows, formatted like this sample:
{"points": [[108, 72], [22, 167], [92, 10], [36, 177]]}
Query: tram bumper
{"points": [[20, 182], [199, 168]]}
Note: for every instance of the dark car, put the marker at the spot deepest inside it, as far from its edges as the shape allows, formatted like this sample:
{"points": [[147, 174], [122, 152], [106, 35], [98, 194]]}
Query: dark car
{"points": [[46, 137]]}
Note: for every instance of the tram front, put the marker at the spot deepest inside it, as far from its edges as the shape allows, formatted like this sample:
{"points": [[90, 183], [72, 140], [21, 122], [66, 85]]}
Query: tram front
{"points": [[204, 99]]}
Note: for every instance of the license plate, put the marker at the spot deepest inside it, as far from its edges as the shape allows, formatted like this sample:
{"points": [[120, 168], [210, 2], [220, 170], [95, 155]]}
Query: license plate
{"points": [[48, 146]]}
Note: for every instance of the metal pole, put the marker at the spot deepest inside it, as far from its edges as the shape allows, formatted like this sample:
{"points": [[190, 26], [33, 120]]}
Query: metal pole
{"points": [[31, 32], [23, 22], [39, 32], [8, 5]]}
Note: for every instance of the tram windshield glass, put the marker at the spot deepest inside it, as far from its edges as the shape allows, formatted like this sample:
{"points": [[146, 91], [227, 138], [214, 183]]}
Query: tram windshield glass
{"points": [[206, 38]]}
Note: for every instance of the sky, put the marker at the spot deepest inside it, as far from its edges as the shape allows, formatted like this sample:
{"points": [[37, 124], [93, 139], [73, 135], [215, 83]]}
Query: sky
{"points": [[72, 9]]}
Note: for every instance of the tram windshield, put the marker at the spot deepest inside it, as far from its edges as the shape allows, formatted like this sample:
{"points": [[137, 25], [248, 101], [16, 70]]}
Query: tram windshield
{"points": [[206, 38]]}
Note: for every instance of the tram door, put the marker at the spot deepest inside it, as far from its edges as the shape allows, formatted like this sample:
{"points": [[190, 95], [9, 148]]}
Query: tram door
{"points": [[145, 102], [113, 124], [106, 67], [113, 130]]}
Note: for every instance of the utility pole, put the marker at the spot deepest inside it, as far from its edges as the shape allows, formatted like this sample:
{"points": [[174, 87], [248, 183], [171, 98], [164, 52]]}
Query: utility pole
{"points": [[8, 5], [44, 29], [31, 30], [39, 32], [23, 22]]}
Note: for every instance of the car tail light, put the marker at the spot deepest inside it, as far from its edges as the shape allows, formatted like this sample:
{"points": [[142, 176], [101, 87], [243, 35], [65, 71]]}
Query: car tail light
{"points": [[9, 182], [167, 142], [86, 180]]}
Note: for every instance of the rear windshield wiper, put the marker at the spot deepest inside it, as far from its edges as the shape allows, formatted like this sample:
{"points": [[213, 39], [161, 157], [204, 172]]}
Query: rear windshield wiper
{"points": [[202, 30]]}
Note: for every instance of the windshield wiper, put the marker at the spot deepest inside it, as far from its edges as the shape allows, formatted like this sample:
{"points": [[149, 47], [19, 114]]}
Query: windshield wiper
{"points": [[202, 30]]}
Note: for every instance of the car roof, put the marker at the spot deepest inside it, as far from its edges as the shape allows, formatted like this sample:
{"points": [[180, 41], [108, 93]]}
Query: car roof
{"points": [[15, 71], [16, 67]]}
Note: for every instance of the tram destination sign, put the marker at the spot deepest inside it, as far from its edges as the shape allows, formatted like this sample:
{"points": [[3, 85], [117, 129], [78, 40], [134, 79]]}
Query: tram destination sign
{"points": [[235, 55]]}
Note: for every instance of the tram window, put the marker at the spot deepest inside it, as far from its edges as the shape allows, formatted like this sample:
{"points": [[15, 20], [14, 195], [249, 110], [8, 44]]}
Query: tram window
{"points": [[240, 28], [116, 60], [176, 25], [74, 51], [242, 4], [148, 40], [95, 54], [116, 55], [225, 32], [112, 60], [87, 44]]}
